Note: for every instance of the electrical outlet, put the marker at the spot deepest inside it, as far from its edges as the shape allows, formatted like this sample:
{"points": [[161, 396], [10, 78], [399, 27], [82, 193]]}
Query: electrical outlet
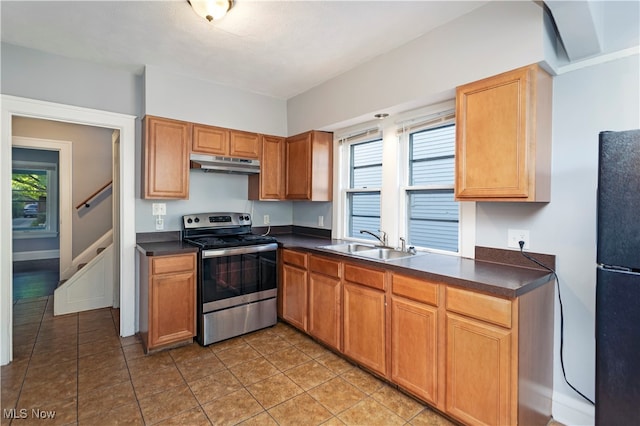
{"points": [[159, 209], [516, 235], [265, 219], [159, 224], [320, 220]]}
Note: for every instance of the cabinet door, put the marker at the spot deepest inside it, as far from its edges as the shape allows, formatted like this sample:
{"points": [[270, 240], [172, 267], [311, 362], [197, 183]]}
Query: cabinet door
{"points": [[479, 373], [325, 295], [414, 347], [294, 295], [172, 308], [210, 140], [166, 158], [364, 326], [496, 138], [269, 184], [244, 144], [298, 163]]}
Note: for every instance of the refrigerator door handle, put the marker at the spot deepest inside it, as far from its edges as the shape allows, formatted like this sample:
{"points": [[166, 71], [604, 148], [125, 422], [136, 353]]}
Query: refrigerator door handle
{"points": [[617, 268]]}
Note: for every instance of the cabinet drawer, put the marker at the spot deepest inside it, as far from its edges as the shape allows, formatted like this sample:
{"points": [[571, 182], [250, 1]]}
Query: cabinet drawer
{"points": [[365, 276], [294, 258], [415, 289], [324, 266], [480, 306], [170, 264]]}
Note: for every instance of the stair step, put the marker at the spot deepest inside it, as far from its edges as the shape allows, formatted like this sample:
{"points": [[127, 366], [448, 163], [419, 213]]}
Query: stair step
{"points": [[82, 265], [61, 282], [100, 250]]}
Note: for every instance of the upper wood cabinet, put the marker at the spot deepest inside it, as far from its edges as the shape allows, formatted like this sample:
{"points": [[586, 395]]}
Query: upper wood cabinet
{"points": [[210, 140], [166, 158], [269, 183], [244, 144], [503, 137], [309, 166], [226, 142]]}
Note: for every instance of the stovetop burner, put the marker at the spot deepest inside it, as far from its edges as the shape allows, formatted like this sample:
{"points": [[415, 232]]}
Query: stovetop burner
{"points": [[220, 230], [208, 242]]}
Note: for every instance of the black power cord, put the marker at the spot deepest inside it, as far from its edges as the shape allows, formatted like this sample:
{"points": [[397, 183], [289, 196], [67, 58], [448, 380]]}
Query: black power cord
{"points": [[564, 374]]}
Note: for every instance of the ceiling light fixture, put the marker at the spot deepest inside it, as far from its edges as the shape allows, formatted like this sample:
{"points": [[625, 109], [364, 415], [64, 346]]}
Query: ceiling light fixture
{"points": [[211, 10]]}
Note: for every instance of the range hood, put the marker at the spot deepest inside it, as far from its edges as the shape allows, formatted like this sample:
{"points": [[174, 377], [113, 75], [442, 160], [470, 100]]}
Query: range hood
{"points": [[211, 163]]}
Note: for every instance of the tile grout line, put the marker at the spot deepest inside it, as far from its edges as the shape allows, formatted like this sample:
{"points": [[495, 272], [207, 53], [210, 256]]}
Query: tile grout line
{"points": [[24, 378]]}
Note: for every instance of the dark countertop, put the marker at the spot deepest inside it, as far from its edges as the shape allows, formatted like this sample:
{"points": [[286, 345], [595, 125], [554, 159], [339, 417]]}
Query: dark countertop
{"points": [[162, 248], [489, 277]]}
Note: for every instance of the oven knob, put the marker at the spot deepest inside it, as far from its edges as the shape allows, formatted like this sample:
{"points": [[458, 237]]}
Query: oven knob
{"points": [[196, 220], [189, 220], [246, 217]]}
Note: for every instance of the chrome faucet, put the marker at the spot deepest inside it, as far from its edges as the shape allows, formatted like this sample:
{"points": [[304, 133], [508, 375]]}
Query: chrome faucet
{"points": [[403, 245], [382, 238]]}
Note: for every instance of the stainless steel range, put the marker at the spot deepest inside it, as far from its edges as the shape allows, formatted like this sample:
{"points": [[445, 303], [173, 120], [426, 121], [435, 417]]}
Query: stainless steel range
{"points": [[237, 275]]}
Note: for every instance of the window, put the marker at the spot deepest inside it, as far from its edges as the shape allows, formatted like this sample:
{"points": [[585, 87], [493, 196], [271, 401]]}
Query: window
{"points": [[432, 214], [34, 191], [363, 194], [398, 175]]}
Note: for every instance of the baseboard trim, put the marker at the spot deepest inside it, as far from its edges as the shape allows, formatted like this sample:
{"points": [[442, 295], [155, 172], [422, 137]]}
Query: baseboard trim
{"points": [[21, 256], [572, 411]]}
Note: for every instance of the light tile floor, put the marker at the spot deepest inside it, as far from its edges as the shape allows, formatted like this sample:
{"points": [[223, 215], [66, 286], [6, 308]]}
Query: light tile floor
{"points": [[78, 367]]}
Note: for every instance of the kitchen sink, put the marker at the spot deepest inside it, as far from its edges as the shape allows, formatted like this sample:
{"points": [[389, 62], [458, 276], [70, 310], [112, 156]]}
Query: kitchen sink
{"points": [[369, 252], [384, 253], [348, 248]]}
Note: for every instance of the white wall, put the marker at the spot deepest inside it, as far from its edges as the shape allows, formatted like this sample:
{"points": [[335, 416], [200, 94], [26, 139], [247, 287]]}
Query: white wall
{"points": [[585, 102], [33, 74], [489, 40], [211, 192]]}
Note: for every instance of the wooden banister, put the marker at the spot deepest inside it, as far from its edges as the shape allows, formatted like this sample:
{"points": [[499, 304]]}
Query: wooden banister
{"points": [[85, 203]]}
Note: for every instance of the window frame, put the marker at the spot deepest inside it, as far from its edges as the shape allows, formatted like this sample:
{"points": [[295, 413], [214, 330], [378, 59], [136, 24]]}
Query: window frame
{"points": [[50, 229], [349, 191], [442, 119], [393, 208]]}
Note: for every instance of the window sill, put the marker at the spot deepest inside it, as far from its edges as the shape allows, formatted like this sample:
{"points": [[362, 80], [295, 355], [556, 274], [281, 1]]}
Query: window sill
{"points": [[20, 235]]}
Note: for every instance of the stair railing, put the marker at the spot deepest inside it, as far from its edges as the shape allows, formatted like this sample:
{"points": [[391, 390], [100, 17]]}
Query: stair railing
{"points": [[87, 202]]}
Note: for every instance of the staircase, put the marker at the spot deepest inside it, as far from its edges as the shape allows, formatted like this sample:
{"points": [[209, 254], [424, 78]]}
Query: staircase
{"points": [[91, 286]]}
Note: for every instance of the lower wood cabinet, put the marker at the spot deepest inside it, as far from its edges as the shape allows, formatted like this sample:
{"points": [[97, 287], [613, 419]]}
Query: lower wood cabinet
{"points": [[414, 336], [167, 300], [325, 301], [479, 358], [479, 372], [293, 291], [365, 317]]}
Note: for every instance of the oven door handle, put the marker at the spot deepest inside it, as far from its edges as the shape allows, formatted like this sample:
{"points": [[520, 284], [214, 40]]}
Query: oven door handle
{"points": [[232, 251]]}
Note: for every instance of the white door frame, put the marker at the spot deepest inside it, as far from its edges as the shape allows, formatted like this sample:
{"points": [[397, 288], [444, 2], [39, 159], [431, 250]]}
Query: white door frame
{"points": [[65, 229], [16, 106]]}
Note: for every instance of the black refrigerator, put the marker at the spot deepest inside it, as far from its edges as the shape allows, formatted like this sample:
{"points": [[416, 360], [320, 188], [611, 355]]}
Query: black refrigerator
{"points": [[618, 280]]}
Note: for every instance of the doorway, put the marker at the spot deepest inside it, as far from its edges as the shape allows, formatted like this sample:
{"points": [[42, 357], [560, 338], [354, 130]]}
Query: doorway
{"points": [[34, 212], [125, 124]]}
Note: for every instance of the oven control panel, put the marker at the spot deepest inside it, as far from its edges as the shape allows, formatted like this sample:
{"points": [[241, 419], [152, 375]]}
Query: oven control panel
{"points": [[215, 220]]}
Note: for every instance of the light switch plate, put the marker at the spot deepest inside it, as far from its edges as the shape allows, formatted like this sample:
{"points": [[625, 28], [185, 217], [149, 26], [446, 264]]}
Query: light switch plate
{"points": [[159, 209]]}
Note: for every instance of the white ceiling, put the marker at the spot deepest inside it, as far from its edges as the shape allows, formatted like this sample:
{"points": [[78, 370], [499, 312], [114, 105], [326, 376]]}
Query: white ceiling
{"points": [[275, 48]]}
